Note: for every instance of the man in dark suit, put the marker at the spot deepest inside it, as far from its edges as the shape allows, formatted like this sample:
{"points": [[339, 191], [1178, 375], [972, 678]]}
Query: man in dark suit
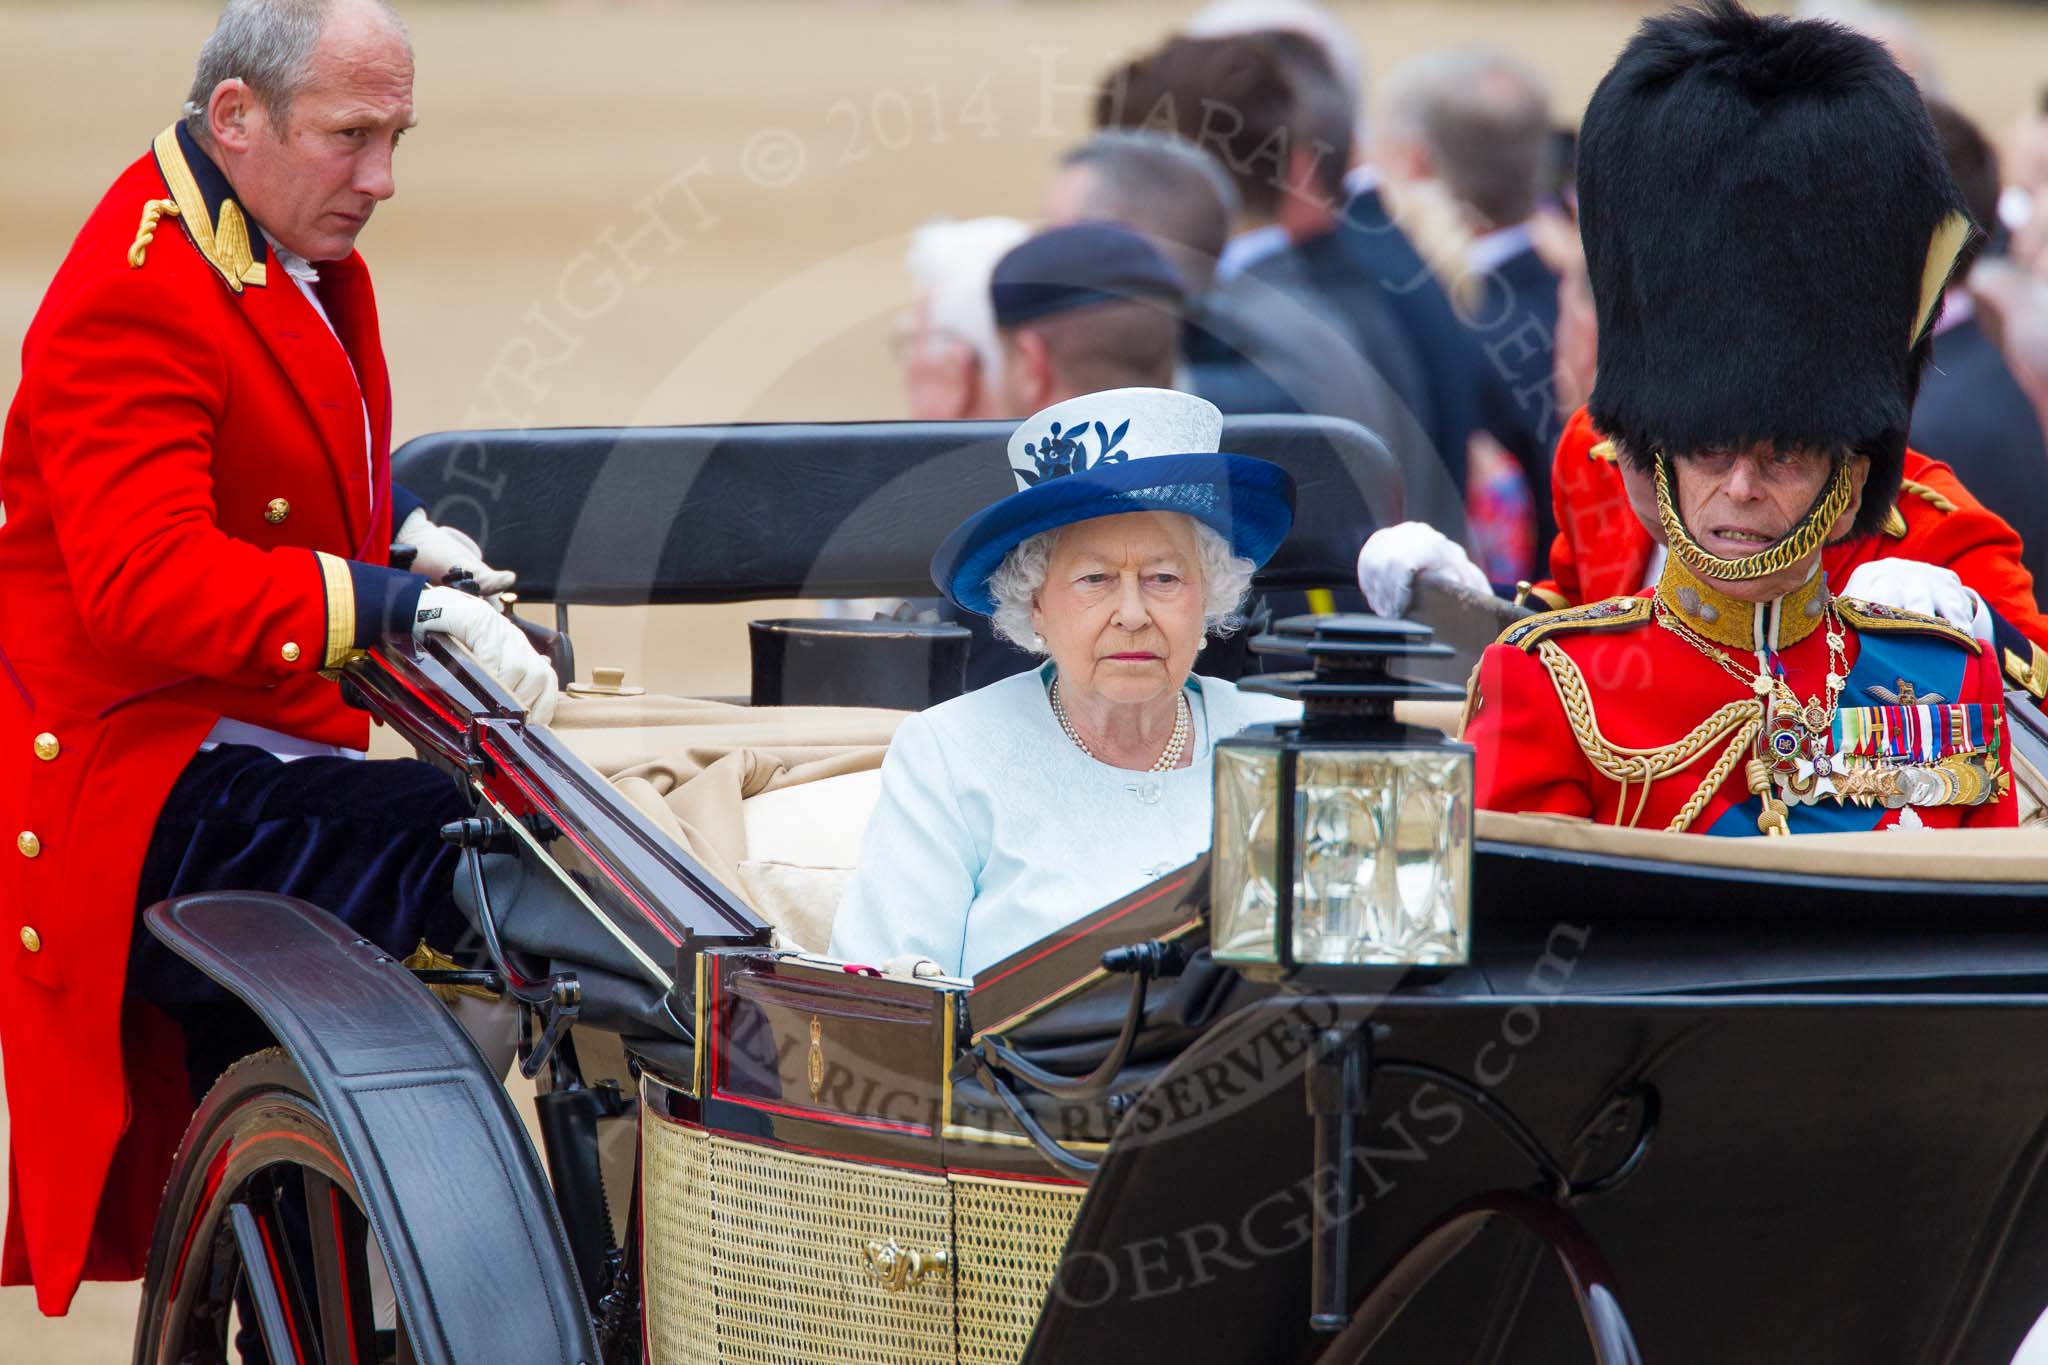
{"points": [[1238, 100], [1477, 120], [1971, 413]]}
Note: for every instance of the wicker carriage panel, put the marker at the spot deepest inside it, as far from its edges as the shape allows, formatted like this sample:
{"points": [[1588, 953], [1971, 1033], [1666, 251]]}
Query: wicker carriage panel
{"points": [[788, 1234], [1008, 1238], [682, 1321]]}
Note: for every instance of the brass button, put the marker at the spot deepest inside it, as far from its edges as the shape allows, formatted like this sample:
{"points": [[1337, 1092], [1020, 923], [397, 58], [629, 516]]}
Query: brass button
{"points": [[30, 939], [277, 511], [47, 747], [28, 844], [290, 651]]}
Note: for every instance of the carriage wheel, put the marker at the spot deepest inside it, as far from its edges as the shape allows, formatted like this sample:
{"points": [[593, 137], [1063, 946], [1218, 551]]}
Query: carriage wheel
{"points": [[261, 1223]]}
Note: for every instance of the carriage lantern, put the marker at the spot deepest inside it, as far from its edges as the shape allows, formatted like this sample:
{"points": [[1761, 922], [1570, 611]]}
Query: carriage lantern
{"points": [[1346, 839]]}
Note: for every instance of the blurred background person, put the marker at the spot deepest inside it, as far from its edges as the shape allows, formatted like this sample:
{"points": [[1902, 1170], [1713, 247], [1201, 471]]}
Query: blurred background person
{"points": [[1475, 121], [1082, 308], [1155, 184], [1378, 256], [945, 342], [1890, 25], [2023, 195], [1971, 412], [1237, 100]]}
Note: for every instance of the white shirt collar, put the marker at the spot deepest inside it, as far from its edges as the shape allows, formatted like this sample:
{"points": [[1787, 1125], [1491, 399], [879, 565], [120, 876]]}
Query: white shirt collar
{"points": [[1247, 249], [295, 265], [1359, 179], [1487, 254]]}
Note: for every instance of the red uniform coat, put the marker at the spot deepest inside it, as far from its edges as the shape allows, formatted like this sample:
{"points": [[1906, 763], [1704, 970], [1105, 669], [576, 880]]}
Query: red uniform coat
{"points": [[186, 435], [1602, 549], [1648, 688]]}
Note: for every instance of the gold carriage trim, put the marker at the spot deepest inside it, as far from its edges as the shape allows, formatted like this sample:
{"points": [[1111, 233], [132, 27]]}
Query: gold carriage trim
{"points": [[224, 242], [1737, 722], [1615, 613], [761, 1256], [1878, 618]]}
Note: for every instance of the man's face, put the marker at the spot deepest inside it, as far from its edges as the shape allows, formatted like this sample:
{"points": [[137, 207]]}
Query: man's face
{"points": [[314, 181], [1737, 504], [942, 379]]}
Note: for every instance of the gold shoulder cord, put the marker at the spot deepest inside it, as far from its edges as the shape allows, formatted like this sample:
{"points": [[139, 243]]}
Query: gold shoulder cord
{"points": [[1738, 722], [153, 211]]}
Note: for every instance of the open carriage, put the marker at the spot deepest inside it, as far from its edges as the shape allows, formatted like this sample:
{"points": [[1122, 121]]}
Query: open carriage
{"points": [[1681, 1099]]}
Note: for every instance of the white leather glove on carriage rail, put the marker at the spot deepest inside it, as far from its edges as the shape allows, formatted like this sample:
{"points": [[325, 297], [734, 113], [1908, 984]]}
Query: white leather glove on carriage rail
{"points": [[497, 644], [443, 548], [1930, 589], [1390, 560]]}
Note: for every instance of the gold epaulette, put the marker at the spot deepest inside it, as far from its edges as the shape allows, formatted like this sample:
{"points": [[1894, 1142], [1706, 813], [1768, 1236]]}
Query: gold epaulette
{"points": [[1616, 613], [1875, 616], [1603, 451]]}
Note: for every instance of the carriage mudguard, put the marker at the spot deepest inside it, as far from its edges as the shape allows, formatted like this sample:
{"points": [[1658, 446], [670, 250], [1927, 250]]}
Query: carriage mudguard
{"points": [[442, 1162]]}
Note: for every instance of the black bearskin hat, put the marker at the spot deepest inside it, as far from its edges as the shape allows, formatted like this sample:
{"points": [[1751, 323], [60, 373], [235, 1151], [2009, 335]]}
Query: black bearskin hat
{"points": [[1768, 224]]}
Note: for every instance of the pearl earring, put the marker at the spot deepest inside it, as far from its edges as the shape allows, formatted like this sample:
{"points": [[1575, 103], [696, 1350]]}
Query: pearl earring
{"points": [[1038, 644]]}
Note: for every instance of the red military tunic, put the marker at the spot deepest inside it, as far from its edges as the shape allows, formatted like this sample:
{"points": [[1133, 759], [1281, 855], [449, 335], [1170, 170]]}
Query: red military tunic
{"points": [[1635, 685], [187, 435], [1602, 549]]}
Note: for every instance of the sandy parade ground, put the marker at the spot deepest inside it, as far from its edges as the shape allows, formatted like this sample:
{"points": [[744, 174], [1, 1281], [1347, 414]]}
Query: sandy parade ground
{"points": [[635, 212]]}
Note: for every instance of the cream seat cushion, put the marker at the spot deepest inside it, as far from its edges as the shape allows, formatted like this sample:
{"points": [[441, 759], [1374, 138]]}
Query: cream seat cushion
{"points": [[802, 845], [772, 801]]}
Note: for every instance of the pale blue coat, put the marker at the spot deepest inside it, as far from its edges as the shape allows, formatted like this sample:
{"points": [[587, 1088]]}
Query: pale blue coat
{"points": [[993, 829]]}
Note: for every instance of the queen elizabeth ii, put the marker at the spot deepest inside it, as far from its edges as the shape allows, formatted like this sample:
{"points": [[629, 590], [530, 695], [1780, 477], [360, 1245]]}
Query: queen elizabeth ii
{"points": [[1014, 810]]}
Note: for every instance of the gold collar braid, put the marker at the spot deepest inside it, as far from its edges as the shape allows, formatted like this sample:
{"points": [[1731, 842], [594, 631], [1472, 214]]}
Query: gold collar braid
{"points": [[1809, 535], [1726, 620]]}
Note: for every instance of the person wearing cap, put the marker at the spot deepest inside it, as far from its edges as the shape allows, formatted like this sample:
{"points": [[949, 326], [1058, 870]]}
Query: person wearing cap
{"points": [[1081, 308], [1015, 809], [1776, 182]]}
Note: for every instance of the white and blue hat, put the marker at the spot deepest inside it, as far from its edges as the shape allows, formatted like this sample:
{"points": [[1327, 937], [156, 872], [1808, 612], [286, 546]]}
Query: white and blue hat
{"points": [[1121, 450]]}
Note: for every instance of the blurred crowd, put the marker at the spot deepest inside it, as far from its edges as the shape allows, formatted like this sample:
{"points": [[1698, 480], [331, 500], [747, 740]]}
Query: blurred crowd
{"points": [[1250, 223]]}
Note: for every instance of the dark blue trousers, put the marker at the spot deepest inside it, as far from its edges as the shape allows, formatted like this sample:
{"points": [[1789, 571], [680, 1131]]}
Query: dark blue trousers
{"points": [[358, 838]]}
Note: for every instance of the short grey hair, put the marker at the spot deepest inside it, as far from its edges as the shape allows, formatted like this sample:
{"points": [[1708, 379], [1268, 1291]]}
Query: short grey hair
{"points": [[949, 263], [1226, 581], [1169, 190], [1483, 115], [268, 45]]}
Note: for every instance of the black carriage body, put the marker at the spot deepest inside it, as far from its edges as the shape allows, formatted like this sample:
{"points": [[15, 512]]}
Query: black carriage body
{"points": [[1692, 1111], [1818, 1100]]}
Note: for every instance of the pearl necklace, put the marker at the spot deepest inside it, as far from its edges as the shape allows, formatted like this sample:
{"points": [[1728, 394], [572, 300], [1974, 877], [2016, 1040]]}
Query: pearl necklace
{"points": [[1176, 743]]}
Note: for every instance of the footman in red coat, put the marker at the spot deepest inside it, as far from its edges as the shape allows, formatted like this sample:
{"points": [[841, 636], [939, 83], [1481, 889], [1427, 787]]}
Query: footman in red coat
{"points": [[199, 514]]}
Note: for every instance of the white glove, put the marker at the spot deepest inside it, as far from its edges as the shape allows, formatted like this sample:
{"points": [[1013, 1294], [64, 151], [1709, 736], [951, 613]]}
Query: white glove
{"points": [[1390, 559], [1930, 589], [443, 548], [503, 650]]}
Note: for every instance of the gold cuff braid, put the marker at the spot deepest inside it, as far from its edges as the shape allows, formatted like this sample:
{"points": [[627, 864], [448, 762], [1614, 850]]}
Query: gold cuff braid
{"points": [[341, 610], [1738, 721], [1808, 536]]}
